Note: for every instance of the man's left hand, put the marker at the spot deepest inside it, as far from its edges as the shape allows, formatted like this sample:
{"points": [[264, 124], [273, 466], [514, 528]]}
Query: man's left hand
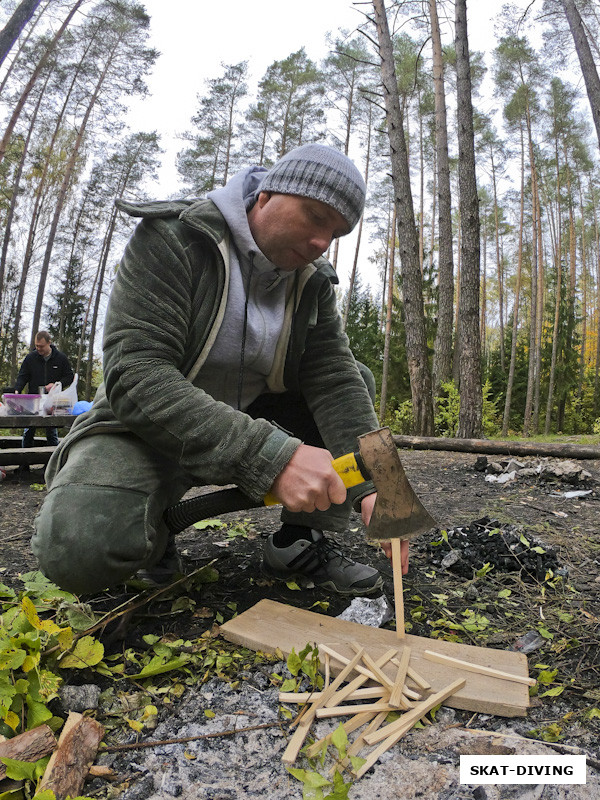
{"points": [[366, 510]]}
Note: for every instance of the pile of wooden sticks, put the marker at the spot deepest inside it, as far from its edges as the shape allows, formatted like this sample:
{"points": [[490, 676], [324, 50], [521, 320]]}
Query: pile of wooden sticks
{"points": [[346, 696], [364, 694]]}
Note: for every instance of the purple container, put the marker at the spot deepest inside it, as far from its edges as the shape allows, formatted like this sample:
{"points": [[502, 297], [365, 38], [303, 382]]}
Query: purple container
{"points": [[23, 405]]}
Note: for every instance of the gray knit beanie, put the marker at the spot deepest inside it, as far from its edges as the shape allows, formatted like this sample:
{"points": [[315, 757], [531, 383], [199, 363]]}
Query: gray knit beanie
{"points": [[322, 173]]}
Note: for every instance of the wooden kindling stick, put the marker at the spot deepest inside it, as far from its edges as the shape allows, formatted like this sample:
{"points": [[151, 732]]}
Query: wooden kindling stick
{"points": [[342, 711], [439, 658], [370, 693], [396, 698], [398, 588]]}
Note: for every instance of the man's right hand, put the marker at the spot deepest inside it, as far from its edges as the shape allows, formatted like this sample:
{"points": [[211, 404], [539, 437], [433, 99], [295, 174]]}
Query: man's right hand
{"points": [[308, 482]]}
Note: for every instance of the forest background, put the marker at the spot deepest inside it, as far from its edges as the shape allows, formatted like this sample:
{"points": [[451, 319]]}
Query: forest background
{"points": [[474, 288]]}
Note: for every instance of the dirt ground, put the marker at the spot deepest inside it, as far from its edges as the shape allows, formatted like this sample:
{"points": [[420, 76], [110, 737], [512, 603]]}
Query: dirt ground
{"points": [[564, 604]]}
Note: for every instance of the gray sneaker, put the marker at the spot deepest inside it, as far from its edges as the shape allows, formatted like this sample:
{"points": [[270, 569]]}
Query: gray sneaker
{"points": [[319, 561]]}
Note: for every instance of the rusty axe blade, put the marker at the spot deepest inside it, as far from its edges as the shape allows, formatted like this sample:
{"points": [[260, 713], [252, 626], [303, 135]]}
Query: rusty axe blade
{"points": [[398, 512]]}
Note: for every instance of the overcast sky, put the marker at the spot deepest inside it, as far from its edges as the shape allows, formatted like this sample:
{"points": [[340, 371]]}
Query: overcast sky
{"points": [[195, 36]]}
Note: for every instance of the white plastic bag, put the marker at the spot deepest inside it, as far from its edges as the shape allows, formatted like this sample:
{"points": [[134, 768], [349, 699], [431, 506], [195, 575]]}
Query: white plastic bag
{"points": [[59, 401]]}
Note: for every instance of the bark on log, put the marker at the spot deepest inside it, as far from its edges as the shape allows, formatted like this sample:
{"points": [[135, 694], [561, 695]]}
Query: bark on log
{"points": [[28, 746], [496, 447], [71, 761]]}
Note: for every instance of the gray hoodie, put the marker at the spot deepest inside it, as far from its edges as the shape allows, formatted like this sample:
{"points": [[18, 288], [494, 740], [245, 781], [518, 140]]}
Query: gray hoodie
{"points": [[237, 366]]}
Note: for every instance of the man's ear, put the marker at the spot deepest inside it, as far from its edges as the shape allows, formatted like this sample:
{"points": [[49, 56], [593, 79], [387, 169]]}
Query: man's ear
{"points": [[263, 198]]}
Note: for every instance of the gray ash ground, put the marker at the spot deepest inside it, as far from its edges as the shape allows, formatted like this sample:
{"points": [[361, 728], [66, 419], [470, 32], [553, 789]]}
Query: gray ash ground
{"points": [[248, 764]]}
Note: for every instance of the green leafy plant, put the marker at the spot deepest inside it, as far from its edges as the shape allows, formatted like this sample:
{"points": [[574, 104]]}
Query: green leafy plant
{"points": [[448, 410], [317, 787]]}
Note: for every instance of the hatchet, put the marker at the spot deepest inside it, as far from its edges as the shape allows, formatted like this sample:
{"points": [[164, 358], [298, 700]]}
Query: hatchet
{"points": [[398, 513]]}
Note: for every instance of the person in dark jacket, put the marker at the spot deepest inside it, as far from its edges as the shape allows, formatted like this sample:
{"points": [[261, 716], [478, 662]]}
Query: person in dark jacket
{"points": [[43, 367]]}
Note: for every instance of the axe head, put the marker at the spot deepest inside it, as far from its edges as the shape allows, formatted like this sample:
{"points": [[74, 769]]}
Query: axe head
{"points": [[398, 512]]}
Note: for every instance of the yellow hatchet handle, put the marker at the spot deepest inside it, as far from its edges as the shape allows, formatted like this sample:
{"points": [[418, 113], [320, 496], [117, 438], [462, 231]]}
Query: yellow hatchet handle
{"points": [[347, 467]]}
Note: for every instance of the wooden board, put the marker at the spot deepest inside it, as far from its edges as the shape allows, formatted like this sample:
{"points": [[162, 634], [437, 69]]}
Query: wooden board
{"points": [[269, 625], [14, 456], [37, 421]]}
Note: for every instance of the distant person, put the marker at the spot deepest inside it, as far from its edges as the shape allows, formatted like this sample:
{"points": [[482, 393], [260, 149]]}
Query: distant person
{"points": [[43, 367]]}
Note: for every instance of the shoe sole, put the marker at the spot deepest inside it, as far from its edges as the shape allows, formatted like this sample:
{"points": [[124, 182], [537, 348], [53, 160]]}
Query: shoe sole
{"points": [[306, 583]]}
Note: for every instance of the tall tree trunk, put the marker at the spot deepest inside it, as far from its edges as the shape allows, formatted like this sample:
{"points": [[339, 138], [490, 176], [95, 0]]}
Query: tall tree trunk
{"points": [[10, 32], [358, 235], [499, 266], [558, 268], [586, 60], [515, 325], [483, 321], [541, 295], [534, 282], [23, 42], [471, 400], [62, 192], [421, 186], [16, 184], [597, 311], [33, 79], [442, 358], [584, 298], [408, 240], [100, 284], [388, 325]]}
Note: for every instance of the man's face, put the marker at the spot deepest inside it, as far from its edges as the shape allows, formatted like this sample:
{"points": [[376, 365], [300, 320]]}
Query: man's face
{"points": [[43, 347], [292, 231]]}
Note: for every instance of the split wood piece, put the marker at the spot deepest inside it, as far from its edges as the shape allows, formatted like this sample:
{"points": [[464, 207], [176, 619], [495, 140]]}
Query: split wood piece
{"points": [[349, 726], [342, 711], [28, 746], [354, 684], [368, 693], [327, 672], [373, 726], [398, 588], [396, 730], [369, 663], [297, 740], [396, 695], [438, 658], [71, 761], [406, 721], [420, 681]]}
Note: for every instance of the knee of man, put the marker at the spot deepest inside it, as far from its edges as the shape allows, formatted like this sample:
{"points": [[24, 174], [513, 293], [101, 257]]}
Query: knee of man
{"points": [[88, 538]]}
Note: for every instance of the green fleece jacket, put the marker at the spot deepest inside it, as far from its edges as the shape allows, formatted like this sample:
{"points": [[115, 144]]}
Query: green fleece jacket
{"points": [[163, 316]]}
